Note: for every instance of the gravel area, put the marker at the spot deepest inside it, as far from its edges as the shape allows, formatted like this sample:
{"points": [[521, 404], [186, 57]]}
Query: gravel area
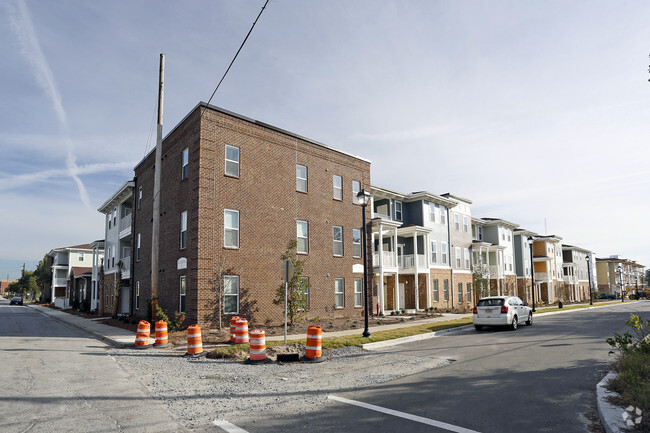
{"points": [[198, 391]]}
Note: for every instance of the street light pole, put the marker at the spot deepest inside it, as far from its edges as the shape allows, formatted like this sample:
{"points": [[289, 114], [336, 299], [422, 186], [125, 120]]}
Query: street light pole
{"points": [[620, 279], [363, 197], [531, 240], [591, 297]]}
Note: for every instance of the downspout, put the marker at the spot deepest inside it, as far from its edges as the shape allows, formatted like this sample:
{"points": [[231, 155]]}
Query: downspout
{"points": [[451, 263], [134, 205]]}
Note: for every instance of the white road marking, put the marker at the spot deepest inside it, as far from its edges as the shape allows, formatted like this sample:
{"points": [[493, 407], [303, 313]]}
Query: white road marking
{"points": [[230, 428], [420, 419]]}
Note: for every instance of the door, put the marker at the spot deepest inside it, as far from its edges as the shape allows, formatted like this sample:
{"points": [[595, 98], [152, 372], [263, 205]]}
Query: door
{"points": [[125, 298], [402, 298]]}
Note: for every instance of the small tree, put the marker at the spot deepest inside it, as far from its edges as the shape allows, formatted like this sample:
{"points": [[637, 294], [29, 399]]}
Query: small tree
{"points": [[117, 287], [480, 273], [101, 283], [297, 287], [218, 285]]}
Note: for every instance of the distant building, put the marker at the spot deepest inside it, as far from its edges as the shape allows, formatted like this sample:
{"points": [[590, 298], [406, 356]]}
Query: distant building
{"points": [[4, 284], [62, 261], [616, 275]]}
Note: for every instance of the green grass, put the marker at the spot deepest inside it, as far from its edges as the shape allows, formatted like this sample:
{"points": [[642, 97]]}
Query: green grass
{"points": [[633, 384]]}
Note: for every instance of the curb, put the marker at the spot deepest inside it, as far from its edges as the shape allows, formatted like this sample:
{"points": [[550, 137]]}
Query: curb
{"points": [[410, 338], [610, 415]]}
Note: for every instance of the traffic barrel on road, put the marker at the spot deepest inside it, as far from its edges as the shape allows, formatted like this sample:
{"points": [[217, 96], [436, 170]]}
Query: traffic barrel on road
{"points": [[241, 331], [162, 337], [314, 346], [142, 335], [233, 326], [257, 346], [194, 341]]}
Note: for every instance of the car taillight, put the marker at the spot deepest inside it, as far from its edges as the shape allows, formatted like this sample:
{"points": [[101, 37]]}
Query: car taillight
{"points": [[474, 311], [504, 310]]}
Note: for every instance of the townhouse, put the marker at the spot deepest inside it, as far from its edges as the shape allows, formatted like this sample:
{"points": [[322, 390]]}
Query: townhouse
{"points": [[494, 255], [576, 268], [71, 275], [118, 246], [240, 190], [616, 275], [523, 241], [460, 244]]}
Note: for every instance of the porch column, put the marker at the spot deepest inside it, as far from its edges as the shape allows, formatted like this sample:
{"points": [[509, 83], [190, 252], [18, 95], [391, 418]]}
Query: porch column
{"points": [[396, 288], [428, 259], [417, 272], [380, 254], [489, 272]]}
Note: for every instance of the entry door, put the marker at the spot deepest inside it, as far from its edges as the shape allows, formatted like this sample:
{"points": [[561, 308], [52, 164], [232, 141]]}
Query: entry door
{"points": [[402, 301]]}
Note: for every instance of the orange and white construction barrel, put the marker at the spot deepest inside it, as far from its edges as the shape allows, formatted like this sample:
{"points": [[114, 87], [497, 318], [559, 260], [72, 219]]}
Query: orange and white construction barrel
{"points": [[142, 335], [194, 341], [314, 346], [162, 337], [233, 326], [241, 331], [257, 346]]}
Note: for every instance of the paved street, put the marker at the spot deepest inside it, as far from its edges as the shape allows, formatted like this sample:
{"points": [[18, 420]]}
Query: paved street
{"points": [[540, 378], [56, 378]]}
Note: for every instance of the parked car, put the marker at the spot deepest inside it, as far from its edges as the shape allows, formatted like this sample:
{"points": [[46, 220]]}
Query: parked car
{"points": [[16, 300], [501, 311]]}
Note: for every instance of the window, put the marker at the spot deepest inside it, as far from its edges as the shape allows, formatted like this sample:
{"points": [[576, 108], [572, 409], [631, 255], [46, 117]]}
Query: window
{"points": [[527, 265], [443, 215], [137, 248], [456, 221], [184, 168], [356, 187], [304, 287], [436, 295], [443, 252], [301, 178], [398, 210], [137, 295], [110, 220], [112, 256], [432, 212], [81, 257], [466, 258], [232, 161], [183, 291], [510, 263], [339, 292], [503, 234], [509, 238], [337, 182], [434, 251], [115, 217], [469, 292], [458, 257], [302, 236], [465, 223], [445, 290], [139, 197], [230, 228], [356, 242], [479, 233], [460, 292], [358, 292], [231, 294], [337, 235], [183, 229]]}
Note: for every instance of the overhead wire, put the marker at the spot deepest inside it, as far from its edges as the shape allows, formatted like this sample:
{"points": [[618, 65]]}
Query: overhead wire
{"points": [[236, 54]]}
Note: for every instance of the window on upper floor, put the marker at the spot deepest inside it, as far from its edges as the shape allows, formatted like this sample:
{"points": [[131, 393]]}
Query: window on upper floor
{"points": [[356, 242], [443, 252], [465, 223], [232, 161], [432, 212], [356, 188], [139, 197], [115, 217], [337, 186], [183, 229], [337, 236], [509, 236], [479, 233], [443, 215], [137, 248], [231, 228], [398, 210], [185, 164], [302, 237], [456, 221], [458, 257], [301, 178], [467, 260], [81, 257], [434, 251]]}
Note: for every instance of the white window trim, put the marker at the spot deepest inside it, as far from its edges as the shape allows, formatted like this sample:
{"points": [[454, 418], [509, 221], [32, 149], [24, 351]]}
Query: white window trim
{"points": [[305, 237], [185, 161], [358, 281], [354, 244], [182, 296], [236, 278], [305, 179], [183, 240], [226, 229], [335, 242], [339, 293], [337, 189], [237, 162]]}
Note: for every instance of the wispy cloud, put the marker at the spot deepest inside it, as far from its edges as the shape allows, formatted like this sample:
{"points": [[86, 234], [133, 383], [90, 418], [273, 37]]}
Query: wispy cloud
{"points": [[20, 180], [21, 24]]}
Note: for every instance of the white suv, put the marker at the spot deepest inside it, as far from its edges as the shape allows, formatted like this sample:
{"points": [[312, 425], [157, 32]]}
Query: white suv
{"points": [[501, 311]]}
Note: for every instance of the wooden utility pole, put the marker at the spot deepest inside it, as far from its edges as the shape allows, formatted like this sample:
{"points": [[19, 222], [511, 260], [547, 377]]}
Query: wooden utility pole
{"points": [[155, 237]]}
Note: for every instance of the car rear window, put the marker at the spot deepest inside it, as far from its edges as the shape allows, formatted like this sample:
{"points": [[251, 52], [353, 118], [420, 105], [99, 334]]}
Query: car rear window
{"points": [[490, 303]]}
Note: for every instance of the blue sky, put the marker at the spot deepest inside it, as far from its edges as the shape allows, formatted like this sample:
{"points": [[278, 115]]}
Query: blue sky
{"points": [[537, 111]]}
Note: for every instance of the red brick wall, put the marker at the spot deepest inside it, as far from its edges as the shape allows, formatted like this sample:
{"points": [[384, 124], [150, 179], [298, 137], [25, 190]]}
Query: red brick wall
{"points": [[268, 204]]}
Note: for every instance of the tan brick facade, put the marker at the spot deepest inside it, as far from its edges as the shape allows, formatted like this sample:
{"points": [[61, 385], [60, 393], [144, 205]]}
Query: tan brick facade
{"points": [[265, 196]]}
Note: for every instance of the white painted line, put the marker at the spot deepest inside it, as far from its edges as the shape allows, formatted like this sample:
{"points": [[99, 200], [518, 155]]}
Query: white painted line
{"points": [[420, 419], [230, 428]]}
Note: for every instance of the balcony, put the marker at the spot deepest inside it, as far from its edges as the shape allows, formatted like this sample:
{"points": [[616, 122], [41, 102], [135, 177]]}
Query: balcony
{"points": [[59, 282], [388, 258], [125, 226], [570, 279], [407, 262], [496, 271], [542, 276]]}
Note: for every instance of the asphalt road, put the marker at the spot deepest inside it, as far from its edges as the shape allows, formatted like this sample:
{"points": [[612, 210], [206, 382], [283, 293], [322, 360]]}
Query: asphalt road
{"points": [[536, 379], [55, 378]]}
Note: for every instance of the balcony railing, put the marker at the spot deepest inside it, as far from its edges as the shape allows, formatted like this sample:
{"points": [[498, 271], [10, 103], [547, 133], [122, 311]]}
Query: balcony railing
{"points": [[496, 271], [541, 276], [59, 282], [570, 279], [126, 266], [387, 256]]}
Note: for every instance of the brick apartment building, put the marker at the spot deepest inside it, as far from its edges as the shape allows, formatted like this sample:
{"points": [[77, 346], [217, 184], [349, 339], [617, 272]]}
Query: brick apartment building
{"points": [[240, 189]]}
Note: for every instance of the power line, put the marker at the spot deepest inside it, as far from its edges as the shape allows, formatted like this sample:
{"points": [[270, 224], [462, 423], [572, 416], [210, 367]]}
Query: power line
{"points": [[236, 54]]}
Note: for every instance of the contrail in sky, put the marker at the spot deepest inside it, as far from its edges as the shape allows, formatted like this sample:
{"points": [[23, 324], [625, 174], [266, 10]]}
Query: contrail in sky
{"points": [[23, 28]]}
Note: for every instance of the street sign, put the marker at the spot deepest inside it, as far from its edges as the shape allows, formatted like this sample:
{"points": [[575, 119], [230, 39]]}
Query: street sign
{"points": [[287, 270]]}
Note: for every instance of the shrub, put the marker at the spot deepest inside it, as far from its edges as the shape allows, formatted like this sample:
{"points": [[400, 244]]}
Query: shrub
{"points": [[175, 322]]}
